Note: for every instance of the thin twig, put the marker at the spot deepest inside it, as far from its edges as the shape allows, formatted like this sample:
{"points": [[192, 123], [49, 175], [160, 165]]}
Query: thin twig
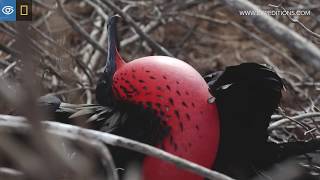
{"points": [[296, 21], [154, 45], [11, 66], [282, 120], [79, 29]]}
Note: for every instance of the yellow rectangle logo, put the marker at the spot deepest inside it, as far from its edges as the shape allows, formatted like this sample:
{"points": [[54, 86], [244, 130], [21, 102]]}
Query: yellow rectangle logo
{"points": [[24, 10]]}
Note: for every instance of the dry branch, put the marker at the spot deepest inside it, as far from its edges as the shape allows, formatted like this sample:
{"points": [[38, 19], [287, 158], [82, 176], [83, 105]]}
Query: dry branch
{"points": [[302, 47], [69, 130], [36, 165], [282, 120], [296, 21], [79, 29], [11, 174], [147, 28]]}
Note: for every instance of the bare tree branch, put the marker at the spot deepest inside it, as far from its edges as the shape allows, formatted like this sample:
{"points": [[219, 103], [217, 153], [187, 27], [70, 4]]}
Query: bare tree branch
{"points": [[302, 47], [282, 120], [79, 29], [69, 130], [154, 45]]}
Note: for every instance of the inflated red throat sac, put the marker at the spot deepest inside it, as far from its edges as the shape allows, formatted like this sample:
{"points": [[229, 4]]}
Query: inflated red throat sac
{"points": [[179, 96]]}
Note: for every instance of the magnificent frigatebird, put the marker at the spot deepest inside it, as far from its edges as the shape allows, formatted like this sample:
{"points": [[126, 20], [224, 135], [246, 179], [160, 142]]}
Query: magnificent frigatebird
{"points": [[219, 121]]}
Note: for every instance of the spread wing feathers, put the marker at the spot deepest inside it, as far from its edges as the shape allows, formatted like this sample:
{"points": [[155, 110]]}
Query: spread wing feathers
{"points": [[79, 110], [104, 118], [98, 117]]}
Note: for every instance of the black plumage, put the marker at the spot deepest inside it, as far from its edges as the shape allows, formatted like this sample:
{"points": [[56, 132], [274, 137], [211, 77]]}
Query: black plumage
{"points": [[246, 96]]}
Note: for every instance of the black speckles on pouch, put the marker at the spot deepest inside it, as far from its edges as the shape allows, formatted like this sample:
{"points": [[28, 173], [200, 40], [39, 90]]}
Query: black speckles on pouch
{"points": [[193, 105], [176, 112], [134, 89], [178, 92], [168, 87], [188, 116], [164, 77], [177, 82], [197, 127], [159, 88], [152, 77], [171, 139], [145, 88], [175, 146], [181, 126], [158, 105], [171, 101], [131, 85], [184, 104], [141, 81], [124, 90]]}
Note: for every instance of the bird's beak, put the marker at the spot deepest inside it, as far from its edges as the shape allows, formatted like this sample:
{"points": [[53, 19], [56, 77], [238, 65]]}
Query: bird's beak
{"points": [[114, 60]]}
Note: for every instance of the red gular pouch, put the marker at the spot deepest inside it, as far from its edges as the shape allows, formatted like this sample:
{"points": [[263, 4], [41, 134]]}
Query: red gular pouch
{"points": [[178, 95]]}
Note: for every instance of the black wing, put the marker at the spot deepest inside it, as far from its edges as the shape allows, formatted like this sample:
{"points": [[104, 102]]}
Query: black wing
{"points": [[246, 96]]}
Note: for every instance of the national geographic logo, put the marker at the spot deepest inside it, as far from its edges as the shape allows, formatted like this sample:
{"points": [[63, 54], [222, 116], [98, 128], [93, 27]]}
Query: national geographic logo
{"points": [[15, 10], [24, 10]]}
